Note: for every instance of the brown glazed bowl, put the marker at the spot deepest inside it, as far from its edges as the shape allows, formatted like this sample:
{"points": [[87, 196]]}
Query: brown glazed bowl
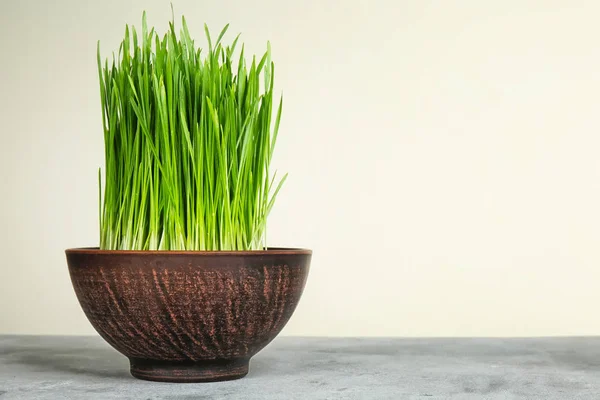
{"points": [[188, 316]]}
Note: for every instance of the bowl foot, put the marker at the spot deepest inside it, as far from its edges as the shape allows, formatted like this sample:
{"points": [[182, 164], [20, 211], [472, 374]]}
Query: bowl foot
{"points": [[184, 371]]}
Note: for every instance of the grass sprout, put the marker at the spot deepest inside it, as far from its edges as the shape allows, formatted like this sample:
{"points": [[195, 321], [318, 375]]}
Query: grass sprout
{"points": [[189, 136]]}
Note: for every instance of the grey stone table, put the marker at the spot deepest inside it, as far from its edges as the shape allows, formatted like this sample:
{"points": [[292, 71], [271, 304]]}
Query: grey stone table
{"points": [[313, 368]]}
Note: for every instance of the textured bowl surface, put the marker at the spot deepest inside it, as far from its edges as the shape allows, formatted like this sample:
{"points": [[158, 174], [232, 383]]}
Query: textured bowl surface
{"points": [[188, 316]]}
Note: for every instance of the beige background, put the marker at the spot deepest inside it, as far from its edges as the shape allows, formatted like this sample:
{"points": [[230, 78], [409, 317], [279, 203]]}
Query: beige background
{"points": [[443, 158]]}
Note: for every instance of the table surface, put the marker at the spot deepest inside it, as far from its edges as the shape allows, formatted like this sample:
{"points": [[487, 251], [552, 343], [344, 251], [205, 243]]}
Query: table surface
{"points": [[55, 367]]}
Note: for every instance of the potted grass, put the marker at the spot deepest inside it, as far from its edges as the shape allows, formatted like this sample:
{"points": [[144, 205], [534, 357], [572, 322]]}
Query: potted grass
{"points": [[182, 282]]}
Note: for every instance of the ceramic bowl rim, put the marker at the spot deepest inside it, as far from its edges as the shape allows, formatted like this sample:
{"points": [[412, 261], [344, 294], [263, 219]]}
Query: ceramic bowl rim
{"points": [[268, 252]]}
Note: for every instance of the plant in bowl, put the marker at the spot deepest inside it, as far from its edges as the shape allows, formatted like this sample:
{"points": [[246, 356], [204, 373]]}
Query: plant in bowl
{"points": [[182, 282]]}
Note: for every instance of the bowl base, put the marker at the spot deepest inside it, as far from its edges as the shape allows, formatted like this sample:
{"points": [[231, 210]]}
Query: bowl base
{"points": [[188, 371]]}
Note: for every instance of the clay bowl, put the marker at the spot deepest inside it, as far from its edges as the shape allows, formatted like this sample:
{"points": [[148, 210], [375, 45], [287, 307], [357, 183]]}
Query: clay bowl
{"points": [[188, 316]]}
